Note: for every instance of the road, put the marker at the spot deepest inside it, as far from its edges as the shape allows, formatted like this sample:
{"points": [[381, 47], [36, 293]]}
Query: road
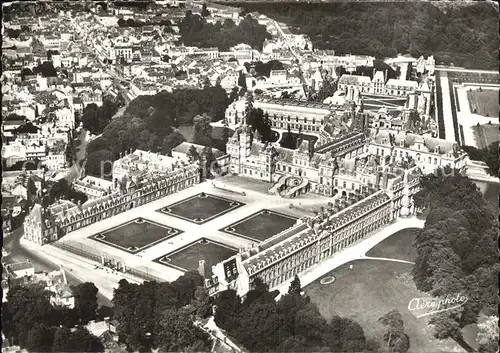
{"points": [[19, 253], [297, 57]]}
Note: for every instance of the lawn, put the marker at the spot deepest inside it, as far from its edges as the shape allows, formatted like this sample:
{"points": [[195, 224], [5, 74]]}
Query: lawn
{"points": [[188, 257], [486, 134], [201, 208], [286, 141], [397, 246], [136, 235], [484, 102], [368, 291], [260, 225]]}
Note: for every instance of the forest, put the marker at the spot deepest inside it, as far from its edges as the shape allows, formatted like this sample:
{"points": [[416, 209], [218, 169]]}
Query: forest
{"points": [[460, 35], [195, 31]]}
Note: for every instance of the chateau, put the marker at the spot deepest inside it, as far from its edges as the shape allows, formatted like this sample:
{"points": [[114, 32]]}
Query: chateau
{"points": [[138, 178], [371, 177]]}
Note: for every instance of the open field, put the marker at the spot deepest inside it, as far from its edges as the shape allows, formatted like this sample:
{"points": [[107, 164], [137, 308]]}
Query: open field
{"points": [[368, 291], [484, 102]]}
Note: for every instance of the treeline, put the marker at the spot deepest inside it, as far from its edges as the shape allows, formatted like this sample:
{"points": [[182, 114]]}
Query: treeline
{"points": [[30, 320], [136, 23], [160, 315], [196, 31], [291, 324], [456, 250], [464, 35], [149, 124], [487, 155]]}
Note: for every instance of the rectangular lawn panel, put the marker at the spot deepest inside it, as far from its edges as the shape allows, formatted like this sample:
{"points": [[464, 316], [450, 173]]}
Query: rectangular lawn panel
{"points": [[260, 225], [188, 257], [369, 290], [136, 235], [201, 208]]}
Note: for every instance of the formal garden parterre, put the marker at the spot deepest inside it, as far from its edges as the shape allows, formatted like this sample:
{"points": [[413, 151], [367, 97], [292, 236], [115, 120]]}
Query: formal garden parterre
{"points": [[136, 235], [201, 208]]}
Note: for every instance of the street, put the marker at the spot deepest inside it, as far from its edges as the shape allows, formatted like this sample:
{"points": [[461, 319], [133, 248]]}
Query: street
{"points": [[19, 253]]}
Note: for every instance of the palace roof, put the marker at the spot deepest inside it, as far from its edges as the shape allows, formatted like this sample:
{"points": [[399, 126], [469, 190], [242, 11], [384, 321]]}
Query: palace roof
{"points": [[409, 140]]}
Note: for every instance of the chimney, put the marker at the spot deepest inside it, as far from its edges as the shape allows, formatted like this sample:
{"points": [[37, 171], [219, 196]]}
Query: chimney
{"points": [[385, 76]]}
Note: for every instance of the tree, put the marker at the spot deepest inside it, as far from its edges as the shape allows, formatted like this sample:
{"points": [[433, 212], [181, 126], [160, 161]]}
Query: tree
{"points": [[61, 340], [345, 335], [204, 10], [242, 82], [81, 340], [193, 154], [249, 105], [209, 158], [295, 287], [201, 302], [86, 301], [179, 334], [395, 337], [228, 309]]}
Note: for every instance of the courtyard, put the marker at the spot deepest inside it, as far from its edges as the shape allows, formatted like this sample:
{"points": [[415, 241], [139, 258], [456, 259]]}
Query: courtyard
{"points": [[140, 245], [261, 225], [189, 257], [201, 208], [136, 235], [484, 102]]}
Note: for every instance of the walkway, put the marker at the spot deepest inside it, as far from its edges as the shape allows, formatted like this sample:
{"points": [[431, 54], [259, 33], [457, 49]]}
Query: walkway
{"points": [[386, 259], [354, 252], [82, 269]]}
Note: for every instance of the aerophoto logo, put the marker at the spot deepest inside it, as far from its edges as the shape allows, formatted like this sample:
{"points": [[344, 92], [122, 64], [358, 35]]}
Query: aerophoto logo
{"points": [[421, 307]]}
